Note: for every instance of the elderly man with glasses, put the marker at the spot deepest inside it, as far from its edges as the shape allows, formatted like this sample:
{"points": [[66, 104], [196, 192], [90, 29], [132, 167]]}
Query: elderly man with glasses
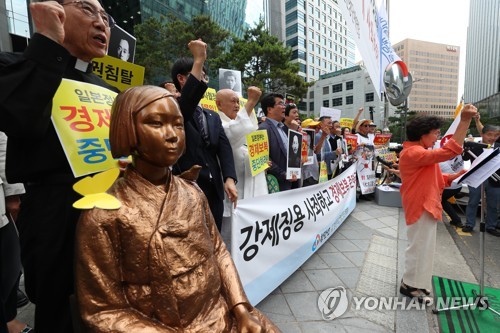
{"points": [[69, 35]]}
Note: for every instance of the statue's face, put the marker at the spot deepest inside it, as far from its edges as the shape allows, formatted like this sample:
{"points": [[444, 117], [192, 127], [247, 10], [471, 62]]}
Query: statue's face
{"points": [[160, 133]]}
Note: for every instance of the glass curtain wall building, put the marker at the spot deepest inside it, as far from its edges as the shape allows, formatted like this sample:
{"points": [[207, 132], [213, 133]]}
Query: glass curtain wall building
{"points": [[318, 36], [15, 29], [482, 59], [229, 14]]}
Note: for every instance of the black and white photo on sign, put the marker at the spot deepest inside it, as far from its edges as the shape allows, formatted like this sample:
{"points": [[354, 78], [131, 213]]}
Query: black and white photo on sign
{"points": [[121, 44], [294, 154], [310, 137], [230, 79]]}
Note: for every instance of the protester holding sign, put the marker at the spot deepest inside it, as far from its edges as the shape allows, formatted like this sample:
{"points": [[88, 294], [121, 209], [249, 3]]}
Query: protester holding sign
{"points": [[69, 36], [418, 165], [237, 123]]}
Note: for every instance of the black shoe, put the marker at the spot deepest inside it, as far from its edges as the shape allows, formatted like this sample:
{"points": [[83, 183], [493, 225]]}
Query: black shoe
{"points": [[457, 224], [493, 232], [467, 228], [419, 294], [22, 300]]}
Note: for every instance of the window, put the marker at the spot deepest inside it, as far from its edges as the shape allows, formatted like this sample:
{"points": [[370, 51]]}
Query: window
{"points": [[349, 100], [337, 88], [311, 106], [337, 101], [326, 103], [326, 90], [292, 42], [369, 97], [349, 85], [291, 17], [311, 94], [291, 4], [293, 29]]}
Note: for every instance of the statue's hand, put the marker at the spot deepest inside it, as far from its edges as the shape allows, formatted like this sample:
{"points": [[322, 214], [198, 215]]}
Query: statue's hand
{"points": [[246, 322]]}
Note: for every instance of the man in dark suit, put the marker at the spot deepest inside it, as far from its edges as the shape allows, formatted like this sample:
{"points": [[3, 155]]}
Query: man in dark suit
{"points": [[206, 142], [274, 108]]}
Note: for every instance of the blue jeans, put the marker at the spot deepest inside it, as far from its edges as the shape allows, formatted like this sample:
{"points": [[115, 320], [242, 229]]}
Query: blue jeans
{"points": [[492, 203]]}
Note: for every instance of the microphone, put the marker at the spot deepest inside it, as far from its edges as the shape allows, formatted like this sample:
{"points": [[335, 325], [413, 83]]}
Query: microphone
{"points": [[384, 162]]}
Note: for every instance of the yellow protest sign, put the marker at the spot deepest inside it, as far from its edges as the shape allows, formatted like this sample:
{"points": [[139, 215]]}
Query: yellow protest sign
{"points": [[80, 114], [346, 122], [208, 100], [258, 151], [118, 73]]}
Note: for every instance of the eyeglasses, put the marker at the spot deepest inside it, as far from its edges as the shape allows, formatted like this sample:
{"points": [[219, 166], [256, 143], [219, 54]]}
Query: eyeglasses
{"points": [[365, 125], [279, 104], [91, 11]]}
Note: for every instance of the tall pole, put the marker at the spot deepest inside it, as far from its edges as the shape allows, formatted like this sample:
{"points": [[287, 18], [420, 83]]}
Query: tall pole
{"points": [[385, 124]]}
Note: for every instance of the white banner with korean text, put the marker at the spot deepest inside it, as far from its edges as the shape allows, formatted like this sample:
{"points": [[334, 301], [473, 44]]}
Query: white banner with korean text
{"points": [[273, 235]]}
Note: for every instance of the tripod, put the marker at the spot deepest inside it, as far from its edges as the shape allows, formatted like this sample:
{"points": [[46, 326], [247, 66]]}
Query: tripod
{"points": [[480, 300]]}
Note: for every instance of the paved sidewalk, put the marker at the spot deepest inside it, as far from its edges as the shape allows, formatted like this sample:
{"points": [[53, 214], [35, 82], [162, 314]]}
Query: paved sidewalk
{"points": [[365, 256]]}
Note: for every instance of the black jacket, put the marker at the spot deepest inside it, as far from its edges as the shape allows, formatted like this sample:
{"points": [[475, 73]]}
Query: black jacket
{"points": [[29, 81], [216, 159]]}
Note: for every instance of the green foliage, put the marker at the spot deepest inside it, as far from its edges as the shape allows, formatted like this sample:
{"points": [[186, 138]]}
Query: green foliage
{"points": [[261, 57], [161, 42], [150, 49]]}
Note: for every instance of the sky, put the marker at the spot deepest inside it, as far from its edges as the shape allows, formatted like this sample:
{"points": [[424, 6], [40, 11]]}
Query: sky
{"points": [[438, 21]]}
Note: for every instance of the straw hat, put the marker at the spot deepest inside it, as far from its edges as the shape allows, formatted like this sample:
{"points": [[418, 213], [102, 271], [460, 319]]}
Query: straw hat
{"points": [[361, 122], [309, 123]]}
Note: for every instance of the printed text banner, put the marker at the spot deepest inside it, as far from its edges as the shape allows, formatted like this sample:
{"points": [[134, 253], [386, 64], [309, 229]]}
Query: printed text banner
{"points": [[258, 151], [275, 234], [118, 73], [80, 114]]}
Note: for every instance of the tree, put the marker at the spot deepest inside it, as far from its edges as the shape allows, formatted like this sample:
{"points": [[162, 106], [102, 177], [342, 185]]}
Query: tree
{"points": [[150, 49], [180, 33], [264, 62], [162, 41]]}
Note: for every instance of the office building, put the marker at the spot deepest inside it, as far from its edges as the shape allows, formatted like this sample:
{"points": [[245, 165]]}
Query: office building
{"points": [[435, 71], [317, 34], [482, 67], [229, 14], [15, 29], [348, 90], [482, 61]]}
